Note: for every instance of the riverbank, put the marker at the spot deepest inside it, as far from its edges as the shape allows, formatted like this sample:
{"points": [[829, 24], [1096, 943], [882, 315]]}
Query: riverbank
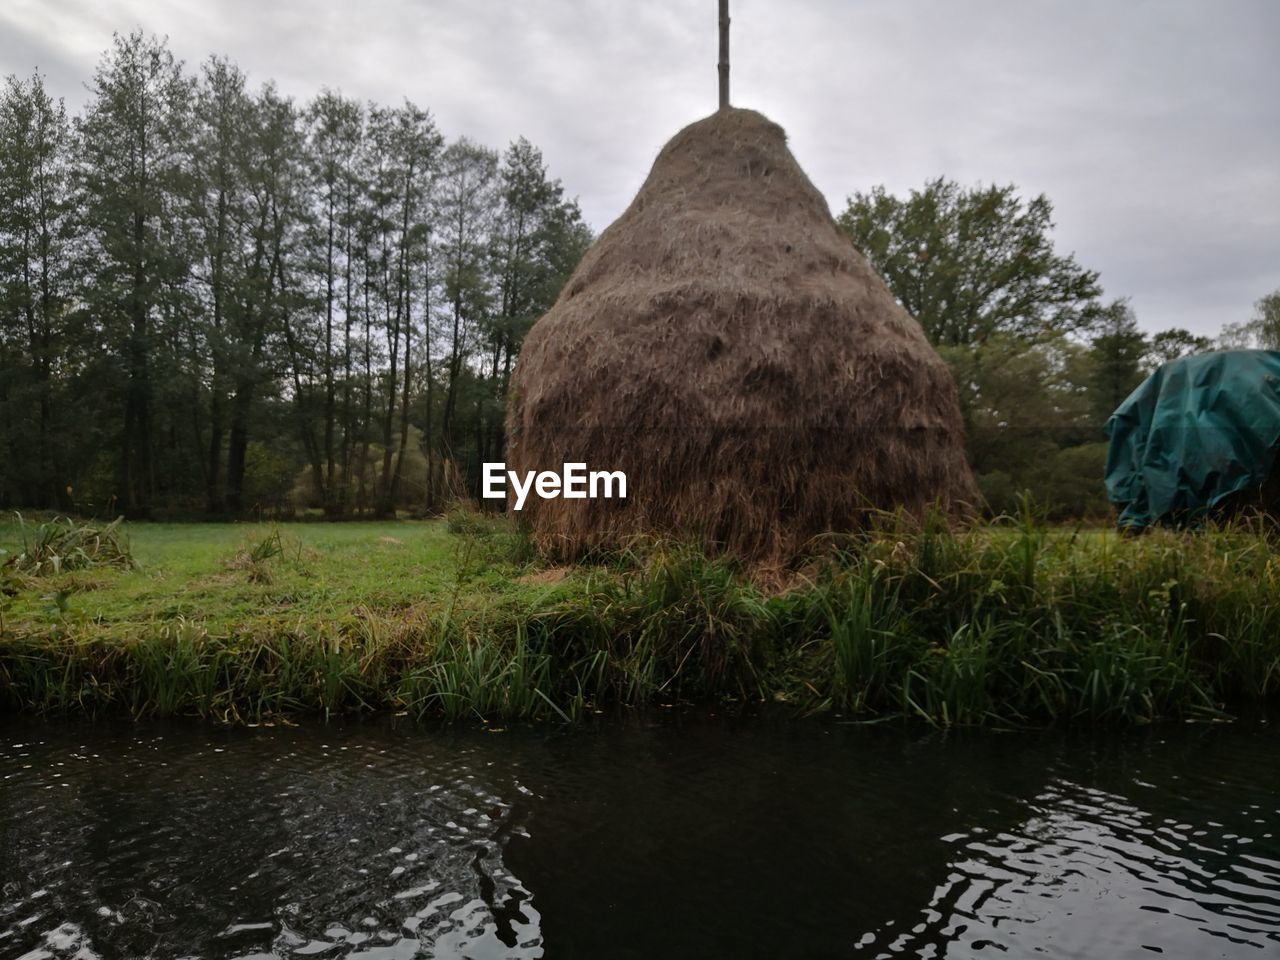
{"points": [[1002, 624]]}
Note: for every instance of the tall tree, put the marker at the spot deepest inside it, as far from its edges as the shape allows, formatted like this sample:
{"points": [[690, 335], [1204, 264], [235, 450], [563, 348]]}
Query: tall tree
{"points": [[276, 187], [468, 202], [1266, 320], [334, 144], [410, 148], [538, 238], [970, 264], [221, 167], [1027, 407], [36, 229], [208, 297], [1173, 343], [133, 156], [1261, 331], [1117, 351]]}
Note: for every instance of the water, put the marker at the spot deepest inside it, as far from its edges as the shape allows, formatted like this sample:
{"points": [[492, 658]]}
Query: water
{"points": [[689, 837]]}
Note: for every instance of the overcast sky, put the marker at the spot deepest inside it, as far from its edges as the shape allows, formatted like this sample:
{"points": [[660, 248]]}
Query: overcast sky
{"points": [[1154, 127]]}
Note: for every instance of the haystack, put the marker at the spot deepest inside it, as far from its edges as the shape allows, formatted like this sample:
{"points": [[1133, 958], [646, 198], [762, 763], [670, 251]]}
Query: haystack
{"points": [[725, 346]]}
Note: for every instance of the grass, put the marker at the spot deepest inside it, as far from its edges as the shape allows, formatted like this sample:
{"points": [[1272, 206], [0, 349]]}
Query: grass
{"points": [[61, 544], [1012, 623]]}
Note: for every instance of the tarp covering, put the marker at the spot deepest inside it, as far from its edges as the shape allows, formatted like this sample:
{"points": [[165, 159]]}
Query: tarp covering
{"points": [[1196, 431]]}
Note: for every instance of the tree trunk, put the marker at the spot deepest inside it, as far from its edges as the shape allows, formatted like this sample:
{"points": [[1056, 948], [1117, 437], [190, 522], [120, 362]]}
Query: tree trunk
{"points": [[404, 412], [367, 415], [213, 479], [135, 480], [348, 426], [309, 443], [430, 501], [213, 473], [404, 319], [330, 508], [239, 444]]}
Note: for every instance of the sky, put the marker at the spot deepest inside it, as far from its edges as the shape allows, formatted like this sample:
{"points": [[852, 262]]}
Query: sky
{"points": [[1153, 126]]}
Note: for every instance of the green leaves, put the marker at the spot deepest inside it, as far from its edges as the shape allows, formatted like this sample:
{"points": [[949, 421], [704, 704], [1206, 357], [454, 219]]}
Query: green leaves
{"points": [[200, 269], [970, 264]]}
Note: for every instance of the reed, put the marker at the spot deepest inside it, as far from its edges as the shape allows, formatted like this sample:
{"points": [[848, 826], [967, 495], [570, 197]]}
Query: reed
{"points": [[1012, 623]]}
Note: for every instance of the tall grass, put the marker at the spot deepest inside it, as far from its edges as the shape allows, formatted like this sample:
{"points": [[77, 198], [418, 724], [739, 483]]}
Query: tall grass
{"points": [[1011, 623], [62, 544]]}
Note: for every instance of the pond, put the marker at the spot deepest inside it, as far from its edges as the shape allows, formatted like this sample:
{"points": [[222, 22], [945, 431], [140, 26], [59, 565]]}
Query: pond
{"points": [[684, 835]]}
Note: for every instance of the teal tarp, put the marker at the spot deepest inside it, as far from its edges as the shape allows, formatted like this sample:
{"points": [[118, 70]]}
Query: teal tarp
{"points": [[1196, 431]]}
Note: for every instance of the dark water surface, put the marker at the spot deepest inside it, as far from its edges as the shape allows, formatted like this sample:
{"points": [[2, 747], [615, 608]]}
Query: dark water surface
{"points": [[689, 837]]}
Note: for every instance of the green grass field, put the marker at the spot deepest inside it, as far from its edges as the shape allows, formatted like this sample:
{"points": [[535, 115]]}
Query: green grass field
{"points": [[1014, 623], [322, 573]]}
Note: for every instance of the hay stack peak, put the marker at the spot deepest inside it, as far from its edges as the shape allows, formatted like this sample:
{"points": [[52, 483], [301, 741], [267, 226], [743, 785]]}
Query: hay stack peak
{"points": [[725, 346]]}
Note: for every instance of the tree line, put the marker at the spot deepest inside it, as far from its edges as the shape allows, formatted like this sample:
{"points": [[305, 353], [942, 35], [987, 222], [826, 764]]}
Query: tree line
{"points": [[217, 300], [1041, 358]]}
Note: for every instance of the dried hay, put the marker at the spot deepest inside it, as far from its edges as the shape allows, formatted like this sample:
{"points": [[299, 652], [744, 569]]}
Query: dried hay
{"points": [[546, 578], [725, 346]]}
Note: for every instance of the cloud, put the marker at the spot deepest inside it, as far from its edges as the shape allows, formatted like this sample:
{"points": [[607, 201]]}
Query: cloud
{"points": [[1152, 126]]}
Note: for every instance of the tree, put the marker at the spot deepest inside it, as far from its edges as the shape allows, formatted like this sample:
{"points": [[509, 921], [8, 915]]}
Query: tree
{"points": [[1172, 344], [1117, 350], [971, 264], [1261, 331], [133, 157], [468, 203], [1020, 400], [1266, 320], [1030, 422], [409, 148], [276, 188], [537, 241], [222, 214], [36, 231], [212, 300], [1039, 361], [335, 141]]}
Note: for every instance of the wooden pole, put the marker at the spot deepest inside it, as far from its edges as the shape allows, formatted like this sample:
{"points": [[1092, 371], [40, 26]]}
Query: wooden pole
{"points": [[724, 54]]}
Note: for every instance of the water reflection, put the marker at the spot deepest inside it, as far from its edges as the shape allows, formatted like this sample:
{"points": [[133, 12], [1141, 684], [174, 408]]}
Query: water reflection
{"points": [[692, 837], [1069, 880], [223, 845]]}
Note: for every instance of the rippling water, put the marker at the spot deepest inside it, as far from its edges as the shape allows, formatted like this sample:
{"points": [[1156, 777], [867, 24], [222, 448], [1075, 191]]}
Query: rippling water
{"points": [[690, 837]]}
